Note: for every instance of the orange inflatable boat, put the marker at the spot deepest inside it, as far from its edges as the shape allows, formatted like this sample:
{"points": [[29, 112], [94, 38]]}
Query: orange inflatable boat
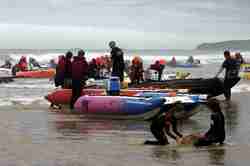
{"points": [[63, 96], [48, 73]]}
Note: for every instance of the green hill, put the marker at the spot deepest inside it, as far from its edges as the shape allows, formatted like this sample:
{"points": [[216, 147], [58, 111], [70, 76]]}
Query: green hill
{"points": [[232, 45]]}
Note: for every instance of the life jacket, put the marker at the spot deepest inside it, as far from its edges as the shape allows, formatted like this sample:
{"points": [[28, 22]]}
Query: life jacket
{"points": [[23, 65], [79, 68]]}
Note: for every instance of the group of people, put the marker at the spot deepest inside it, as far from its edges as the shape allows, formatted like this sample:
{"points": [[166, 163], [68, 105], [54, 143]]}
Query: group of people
{"points": [[100, 67], [22, 65], [163, 123], [74, 73]]}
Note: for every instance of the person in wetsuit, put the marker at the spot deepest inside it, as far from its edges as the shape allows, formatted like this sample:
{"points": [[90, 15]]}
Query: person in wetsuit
{"points": [[190, 60], [7, 64], [231, 75], [216, 132], [33, 63], [163, 123], [117, 59]]}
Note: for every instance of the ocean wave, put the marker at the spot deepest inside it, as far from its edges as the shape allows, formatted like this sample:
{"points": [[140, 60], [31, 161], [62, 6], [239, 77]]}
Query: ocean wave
{"points": [[148, 57], [27, 86], [22, 100]]}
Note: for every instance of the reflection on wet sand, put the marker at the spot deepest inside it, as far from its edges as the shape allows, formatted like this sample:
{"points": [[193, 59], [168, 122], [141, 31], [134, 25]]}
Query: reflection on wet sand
{"points": [[216, 156], [33, 135]]}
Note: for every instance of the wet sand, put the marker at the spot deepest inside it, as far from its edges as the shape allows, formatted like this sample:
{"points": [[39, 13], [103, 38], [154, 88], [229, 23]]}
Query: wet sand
{"points": [[33, 135]]}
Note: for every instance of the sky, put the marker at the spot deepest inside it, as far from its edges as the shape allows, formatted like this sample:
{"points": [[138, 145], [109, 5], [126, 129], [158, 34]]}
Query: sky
{"points": [[134, 24]]}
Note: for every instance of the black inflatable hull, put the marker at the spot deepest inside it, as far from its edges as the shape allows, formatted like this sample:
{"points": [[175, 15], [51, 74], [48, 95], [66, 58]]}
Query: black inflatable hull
{"points": [[211, 86]]}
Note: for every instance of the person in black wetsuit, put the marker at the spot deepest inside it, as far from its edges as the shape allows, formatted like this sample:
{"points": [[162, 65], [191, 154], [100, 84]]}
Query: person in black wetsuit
{"points": [[34, 62], [231, 75], [216, 133], [162, 124], [7, 64], [118, 64]]}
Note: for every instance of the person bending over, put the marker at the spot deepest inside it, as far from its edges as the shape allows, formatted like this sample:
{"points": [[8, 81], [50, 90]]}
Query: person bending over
{"points": [[231, 75], [162, 124]]}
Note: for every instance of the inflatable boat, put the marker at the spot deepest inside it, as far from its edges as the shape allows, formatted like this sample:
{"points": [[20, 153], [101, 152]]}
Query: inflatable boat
{"points": [[63, 96], [211, 86], [119, 107], [44, 73], [181, 64], [137, 108]]}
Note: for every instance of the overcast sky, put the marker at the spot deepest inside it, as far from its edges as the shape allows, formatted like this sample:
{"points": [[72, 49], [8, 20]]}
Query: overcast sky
{"points": [[139, 24]]}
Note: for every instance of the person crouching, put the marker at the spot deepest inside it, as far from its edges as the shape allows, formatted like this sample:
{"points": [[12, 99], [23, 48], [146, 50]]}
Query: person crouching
{"points": [[162, 124]]}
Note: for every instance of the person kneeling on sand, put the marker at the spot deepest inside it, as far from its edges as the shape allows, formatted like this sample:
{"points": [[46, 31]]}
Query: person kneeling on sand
{"points": [[163, 123], [216, 132]]}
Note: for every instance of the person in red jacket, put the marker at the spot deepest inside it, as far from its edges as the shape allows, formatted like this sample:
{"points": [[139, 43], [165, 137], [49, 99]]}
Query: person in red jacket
{"points": [[159, 68], [79, 76], [60, 67], [22, 64], [68, 70]]}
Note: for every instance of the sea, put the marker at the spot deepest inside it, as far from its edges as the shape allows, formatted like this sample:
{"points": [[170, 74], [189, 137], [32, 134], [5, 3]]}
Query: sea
{"points": [[33, 134]]}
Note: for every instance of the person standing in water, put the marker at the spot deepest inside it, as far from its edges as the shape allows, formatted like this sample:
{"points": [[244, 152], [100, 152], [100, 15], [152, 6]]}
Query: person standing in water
{"points": [[163, 123], [118, 64], [231, 75], [79, 76], [216, 132]]}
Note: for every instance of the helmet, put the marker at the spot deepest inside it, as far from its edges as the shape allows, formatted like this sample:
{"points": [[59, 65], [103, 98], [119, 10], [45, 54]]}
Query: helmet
{"points": [[112, 44]]}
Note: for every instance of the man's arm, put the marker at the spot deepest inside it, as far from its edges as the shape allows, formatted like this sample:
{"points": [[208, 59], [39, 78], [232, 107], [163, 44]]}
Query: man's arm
{"points": [[168, 132], [174, 126], [221, 70]]}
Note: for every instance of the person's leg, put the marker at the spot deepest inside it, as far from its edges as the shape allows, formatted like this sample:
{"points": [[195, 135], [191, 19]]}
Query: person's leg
{"points": [[227, 89], [121, 75], [159, 76], [76, 92], [74, 89], [174, 126], [159, 135]]}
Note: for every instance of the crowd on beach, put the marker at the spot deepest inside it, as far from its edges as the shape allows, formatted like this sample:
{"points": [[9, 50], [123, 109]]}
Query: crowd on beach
{"points": [[162, 123], [73, 71]]}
